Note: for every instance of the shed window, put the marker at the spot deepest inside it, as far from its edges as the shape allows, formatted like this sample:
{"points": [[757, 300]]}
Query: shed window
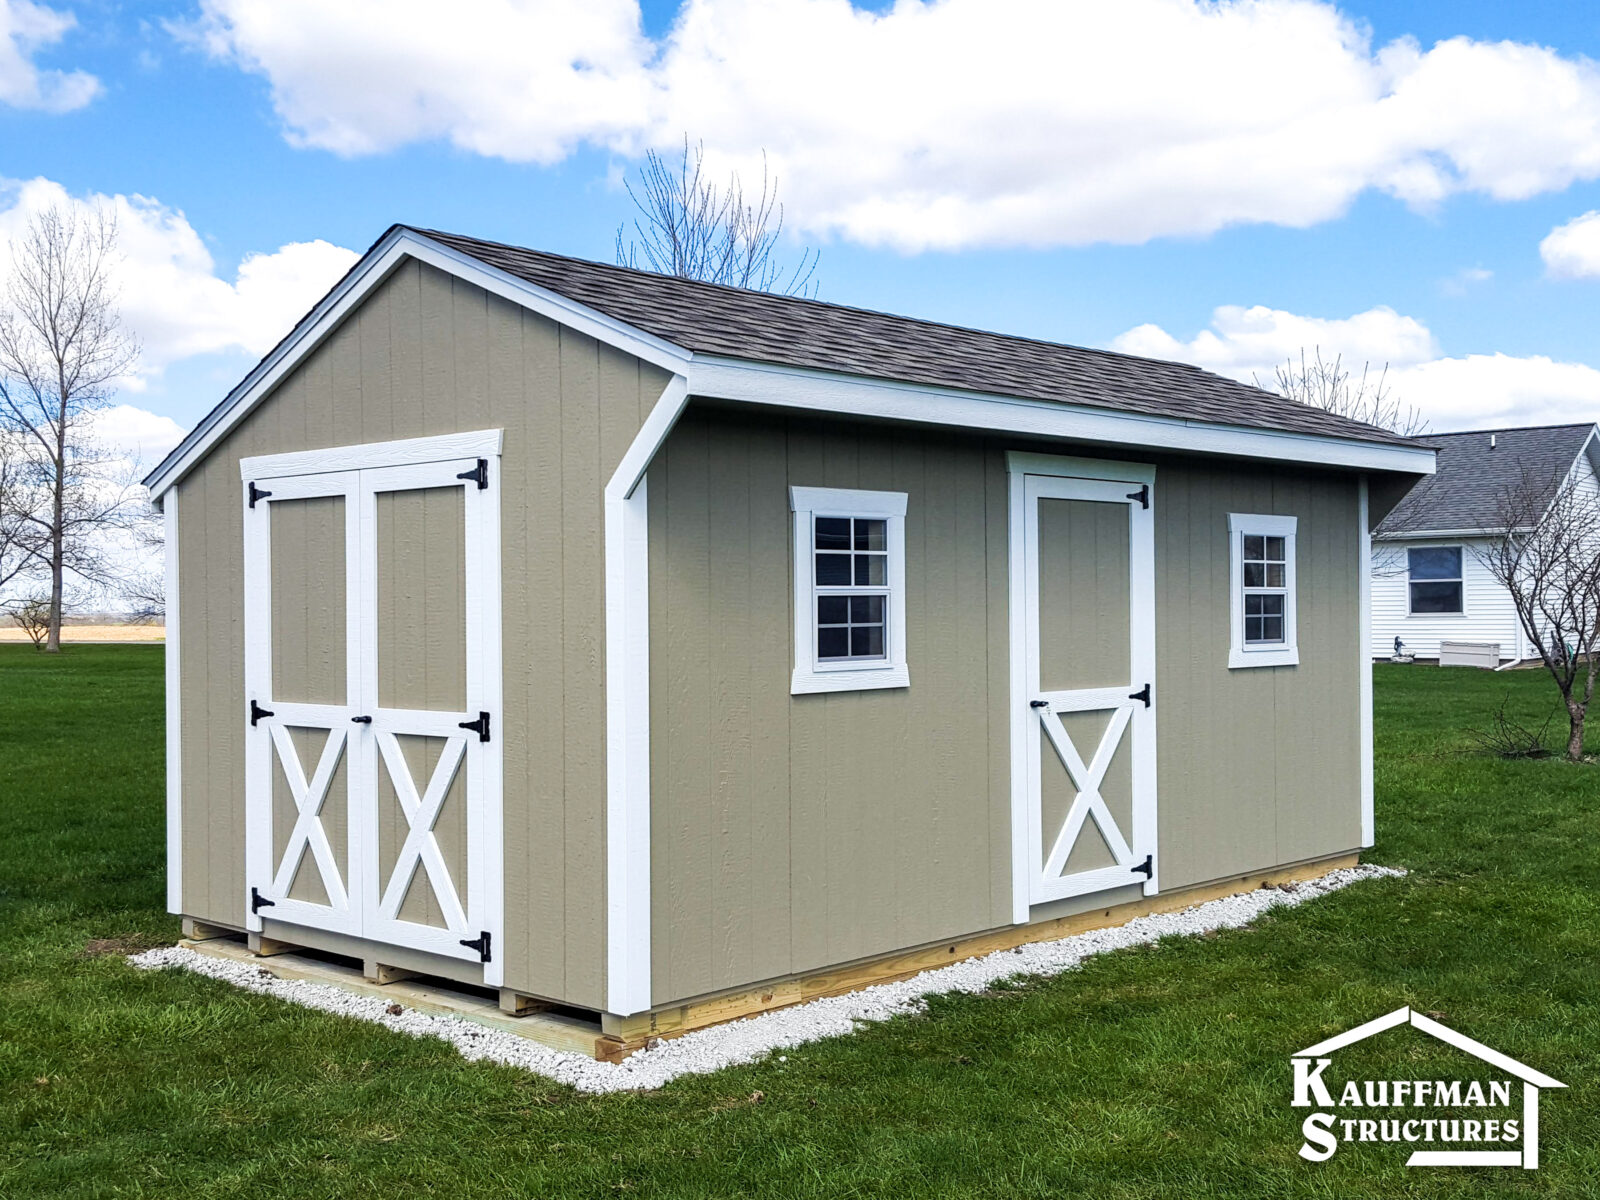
{"points": [[1435, 579], [849, 589], [1261, 579]]}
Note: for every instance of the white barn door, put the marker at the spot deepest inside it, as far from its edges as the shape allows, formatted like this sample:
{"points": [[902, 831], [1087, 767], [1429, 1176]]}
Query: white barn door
{"points": [[1084, 690], [373, 769]]}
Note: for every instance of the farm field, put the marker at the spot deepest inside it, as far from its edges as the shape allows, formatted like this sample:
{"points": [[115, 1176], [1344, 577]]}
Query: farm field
{"points": [[80, 634], [1154, 1072]]}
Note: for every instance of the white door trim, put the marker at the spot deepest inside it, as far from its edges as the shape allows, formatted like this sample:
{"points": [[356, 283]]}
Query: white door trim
{"points": [[479, 443], [1026, 834], [423, 463], [258, 737]]}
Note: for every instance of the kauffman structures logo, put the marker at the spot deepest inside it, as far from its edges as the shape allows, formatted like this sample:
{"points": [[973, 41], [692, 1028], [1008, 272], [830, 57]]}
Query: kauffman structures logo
{"points": [[1449, 1123]]}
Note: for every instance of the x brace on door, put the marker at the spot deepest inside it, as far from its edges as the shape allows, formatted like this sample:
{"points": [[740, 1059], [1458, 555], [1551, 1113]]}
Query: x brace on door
{"points": [[308, 832], [1087, 779]]}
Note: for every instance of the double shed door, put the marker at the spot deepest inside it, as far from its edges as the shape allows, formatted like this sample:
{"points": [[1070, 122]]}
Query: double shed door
{"points": [[372, 680], [1086, 705]]}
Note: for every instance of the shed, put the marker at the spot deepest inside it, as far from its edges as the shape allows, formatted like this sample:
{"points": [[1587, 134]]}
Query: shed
{"points": [[668, 651]]}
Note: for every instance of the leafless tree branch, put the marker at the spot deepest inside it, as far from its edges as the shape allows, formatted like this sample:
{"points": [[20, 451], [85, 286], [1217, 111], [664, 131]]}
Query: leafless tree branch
{"points": [[1546, 553], [690, 226], [1328, 385]]}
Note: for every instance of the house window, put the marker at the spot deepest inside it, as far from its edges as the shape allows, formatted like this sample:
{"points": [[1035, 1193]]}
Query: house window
{"points": [[849, 599], [1435, 579], [1261, 579]]}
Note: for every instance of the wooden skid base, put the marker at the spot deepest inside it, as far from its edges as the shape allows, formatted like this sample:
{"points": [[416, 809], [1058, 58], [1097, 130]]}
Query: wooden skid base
{"points": [[558, 1030], [624, 1035], [612, 1039]]}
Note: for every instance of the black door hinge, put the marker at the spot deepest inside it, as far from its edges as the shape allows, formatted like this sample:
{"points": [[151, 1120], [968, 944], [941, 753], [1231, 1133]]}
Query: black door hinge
{"points": [[257, 712], [1038, 704], [256, 494], [1147, 868], [362, 720], [1142, 495], [480, 944], [479, 727], [480, 473], [258, 901], [1142, 694]]}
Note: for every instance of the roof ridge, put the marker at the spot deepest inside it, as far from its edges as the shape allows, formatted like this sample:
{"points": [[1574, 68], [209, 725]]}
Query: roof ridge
{"points": [[853, 308]]}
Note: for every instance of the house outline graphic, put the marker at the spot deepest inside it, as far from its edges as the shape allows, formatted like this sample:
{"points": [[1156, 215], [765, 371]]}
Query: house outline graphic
{"points": [[1532, 1082]]}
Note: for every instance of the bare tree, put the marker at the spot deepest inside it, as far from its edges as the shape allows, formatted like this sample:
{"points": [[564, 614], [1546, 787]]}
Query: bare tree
{"points": [[21, 532], [145, 590], [1328, 385], [1546, 554], [62, 350], [690, 226], [32, 616]]}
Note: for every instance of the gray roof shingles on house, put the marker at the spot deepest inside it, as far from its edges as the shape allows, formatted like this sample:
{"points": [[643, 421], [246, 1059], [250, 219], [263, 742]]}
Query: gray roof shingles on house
{"points": [[1474, 474], [714, 319]]}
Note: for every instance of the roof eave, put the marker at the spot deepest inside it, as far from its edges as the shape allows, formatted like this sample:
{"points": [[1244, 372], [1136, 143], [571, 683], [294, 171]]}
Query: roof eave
{"points": [[1411, 535], [757, 382]]}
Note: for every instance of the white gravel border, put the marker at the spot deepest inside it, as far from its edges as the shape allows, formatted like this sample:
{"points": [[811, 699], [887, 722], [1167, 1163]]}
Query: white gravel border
{"points": [[747, 1040]]}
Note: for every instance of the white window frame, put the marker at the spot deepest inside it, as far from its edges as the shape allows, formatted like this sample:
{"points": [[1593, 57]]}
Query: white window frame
{"points": [[1277, 654], [1461, 579], [891, 671]]}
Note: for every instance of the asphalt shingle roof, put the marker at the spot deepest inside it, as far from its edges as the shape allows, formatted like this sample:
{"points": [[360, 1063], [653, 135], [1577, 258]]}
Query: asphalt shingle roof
{"points": [[1471, 479], [714, 319]]}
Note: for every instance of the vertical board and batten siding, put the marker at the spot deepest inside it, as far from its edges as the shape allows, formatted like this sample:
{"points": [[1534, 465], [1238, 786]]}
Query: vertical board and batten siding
{"points": [[1256, 766], [793, 833], [426, 354], [1490, 615], [765, 860]]}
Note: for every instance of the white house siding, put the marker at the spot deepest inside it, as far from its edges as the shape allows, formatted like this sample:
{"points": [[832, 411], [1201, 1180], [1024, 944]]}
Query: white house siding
{"points": [[1489, 615]]}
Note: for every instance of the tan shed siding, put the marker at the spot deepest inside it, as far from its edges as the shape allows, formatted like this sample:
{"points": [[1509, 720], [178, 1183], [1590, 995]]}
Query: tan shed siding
{"points": [[426, 354], [1257, 766], [791, 833]]}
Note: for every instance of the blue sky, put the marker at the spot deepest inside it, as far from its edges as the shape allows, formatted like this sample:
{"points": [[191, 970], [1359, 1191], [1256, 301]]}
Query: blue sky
{"points": [[1321, 175]]}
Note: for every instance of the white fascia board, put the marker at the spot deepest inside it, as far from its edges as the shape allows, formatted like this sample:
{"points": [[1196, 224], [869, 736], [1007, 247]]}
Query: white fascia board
{"points": [[1434, 535], [1591, 450], [377, 265], [827, 391]]}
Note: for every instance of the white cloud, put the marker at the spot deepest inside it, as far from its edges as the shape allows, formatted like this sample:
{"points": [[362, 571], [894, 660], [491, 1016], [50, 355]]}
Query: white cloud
{"points": [[520, 79], [1253, 342], [25, 28], [1472, 391], [1572, 251], [172, 297], [136, 434], [1464, 280], [949, 123]]}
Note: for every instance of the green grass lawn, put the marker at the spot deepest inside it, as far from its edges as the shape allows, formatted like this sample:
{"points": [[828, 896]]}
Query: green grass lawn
{"points": [[1157, 1072]]}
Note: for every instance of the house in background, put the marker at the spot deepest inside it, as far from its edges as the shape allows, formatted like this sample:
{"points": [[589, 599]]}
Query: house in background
{"points": [[1428, 585], [665, 651]]}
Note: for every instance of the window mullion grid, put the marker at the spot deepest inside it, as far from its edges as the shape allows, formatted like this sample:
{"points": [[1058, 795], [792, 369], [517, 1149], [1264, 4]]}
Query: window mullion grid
{"points": [[848, 591]]}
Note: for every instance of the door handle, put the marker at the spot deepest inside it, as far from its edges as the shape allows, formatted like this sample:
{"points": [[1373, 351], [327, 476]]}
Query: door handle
{"points": [[362, 720], [1038, 704]]}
